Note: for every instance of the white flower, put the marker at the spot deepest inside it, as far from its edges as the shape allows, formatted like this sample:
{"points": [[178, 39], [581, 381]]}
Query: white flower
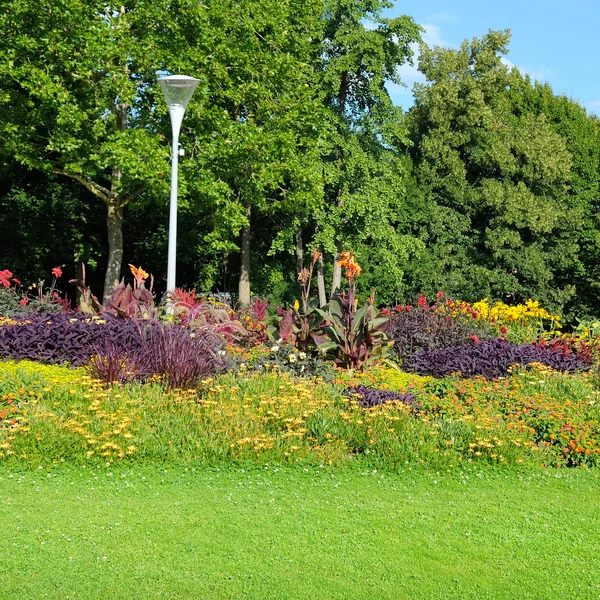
{"points": [[302, 355], [222, 353], [274, 348], [292, 358], [192, 335], [280, 340]]}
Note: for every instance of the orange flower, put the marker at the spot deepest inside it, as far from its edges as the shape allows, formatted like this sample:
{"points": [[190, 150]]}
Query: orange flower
{"points": [[346, 257], [353, 269], [139, 273]]}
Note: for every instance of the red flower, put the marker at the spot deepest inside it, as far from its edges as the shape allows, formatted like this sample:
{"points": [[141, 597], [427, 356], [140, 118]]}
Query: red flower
{"points": [[475, 339], [5, 278], [439, 295], [23, 302], [15, 280], [422, 302], [57, 272]]}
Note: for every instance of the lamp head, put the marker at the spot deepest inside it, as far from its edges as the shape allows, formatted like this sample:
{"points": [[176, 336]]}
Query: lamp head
{"points": [[178, 89]]}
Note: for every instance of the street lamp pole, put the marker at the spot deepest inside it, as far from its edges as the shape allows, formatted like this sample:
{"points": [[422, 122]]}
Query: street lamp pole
{"points": [[178, 90]]}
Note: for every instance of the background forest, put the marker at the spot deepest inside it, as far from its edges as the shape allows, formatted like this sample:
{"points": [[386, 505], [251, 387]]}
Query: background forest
{"points": [[486, 187]]}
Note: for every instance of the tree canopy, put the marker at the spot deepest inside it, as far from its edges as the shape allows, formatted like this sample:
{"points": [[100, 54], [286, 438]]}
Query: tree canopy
{"points": [[487, 187]]}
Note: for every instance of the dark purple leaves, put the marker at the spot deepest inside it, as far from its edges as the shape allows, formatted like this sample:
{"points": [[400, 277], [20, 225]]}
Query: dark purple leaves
{"points": [[71, 337], [368, 397], [418, 329], [490, 359]]}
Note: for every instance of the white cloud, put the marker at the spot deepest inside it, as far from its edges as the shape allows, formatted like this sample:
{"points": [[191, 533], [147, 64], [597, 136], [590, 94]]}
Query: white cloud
{"points": [[541, 74]]}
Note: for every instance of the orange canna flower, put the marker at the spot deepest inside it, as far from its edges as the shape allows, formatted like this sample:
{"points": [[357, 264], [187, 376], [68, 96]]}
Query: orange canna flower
{"points": [[139, 273], [353, 269], [346, 258]]}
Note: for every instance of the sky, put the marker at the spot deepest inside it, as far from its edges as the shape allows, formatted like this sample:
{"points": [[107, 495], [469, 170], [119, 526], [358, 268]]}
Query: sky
{"points": [[553, 41]]}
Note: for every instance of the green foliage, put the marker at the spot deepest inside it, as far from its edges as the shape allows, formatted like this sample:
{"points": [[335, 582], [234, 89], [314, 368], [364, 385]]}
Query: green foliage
{"points": [[501, 221], [356, 335]]}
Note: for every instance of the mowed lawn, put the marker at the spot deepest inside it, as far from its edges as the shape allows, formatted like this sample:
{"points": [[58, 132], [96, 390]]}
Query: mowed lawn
{"points": [[294, 533]]}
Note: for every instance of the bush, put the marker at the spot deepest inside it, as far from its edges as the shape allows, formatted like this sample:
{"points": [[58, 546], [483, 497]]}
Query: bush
{"points": [[72, 337], [368, 397], [422, 328], [491, 359], [285, 358], [182, 357]]}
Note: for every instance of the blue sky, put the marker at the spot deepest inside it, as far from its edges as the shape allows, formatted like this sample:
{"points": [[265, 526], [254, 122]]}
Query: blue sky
{"points": [[554, 41]]}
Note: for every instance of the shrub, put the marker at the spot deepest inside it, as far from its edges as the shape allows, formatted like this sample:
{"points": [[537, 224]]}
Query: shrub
{"points": [[420, 328], [181, 356], [286, 358], [368, 397], [491, 359], [73, 337]]}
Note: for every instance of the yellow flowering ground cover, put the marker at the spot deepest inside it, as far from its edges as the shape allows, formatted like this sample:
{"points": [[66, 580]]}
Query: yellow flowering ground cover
{"points": [[536, 416]]}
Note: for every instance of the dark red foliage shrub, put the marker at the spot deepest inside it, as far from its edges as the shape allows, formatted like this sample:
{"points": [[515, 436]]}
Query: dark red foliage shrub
{"points": [[422, 328], [111, 364], [181, 356], [491, 359], [368, 397]]}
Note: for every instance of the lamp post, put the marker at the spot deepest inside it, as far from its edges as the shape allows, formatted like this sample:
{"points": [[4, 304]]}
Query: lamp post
{"points": [[178, 90]]}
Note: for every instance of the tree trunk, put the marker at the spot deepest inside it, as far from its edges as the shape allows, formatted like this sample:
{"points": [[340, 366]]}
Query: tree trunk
{"points": [[321, 283], [115, 250], [244, 286], [79, 300], [115, 217], [337, 271], [299, 250]]}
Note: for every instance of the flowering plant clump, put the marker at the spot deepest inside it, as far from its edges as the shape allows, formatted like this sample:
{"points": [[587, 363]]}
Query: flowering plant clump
{"points": [[426, 327], [16, 301], [355, 335], [281, 357], [518, 323], [301, 324]]}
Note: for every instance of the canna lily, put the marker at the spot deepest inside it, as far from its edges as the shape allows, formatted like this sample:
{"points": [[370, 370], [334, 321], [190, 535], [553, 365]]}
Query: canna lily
{"points": [[139, 273], [347, 261]]}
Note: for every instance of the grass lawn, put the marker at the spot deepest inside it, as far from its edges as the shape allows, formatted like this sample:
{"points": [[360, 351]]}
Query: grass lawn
{"points": [[144, 532]]}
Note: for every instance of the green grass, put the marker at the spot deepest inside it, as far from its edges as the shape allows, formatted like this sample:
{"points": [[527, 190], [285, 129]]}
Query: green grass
{"points": [[298, 533]]}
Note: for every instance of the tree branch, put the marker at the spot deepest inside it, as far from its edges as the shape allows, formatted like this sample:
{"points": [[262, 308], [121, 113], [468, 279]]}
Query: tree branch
{"points": [[97, 190], [133, 196]]}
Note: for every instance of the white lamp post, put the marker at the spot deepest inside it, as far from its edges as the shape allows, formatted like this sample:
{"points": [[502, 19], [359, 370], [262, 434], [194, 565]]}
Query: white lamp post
{"points": [[178, 90]]}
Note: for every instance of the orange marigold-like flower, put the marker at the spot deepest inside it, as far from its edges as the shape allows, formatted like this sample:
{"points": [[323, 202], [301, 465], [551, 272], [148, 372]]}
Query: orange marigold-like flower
{"points": [[139, 273]]}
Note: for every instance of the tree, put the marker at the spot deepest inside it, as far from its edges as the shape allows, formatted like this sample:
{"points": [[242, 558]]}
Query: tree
{"points": [[76, 78], [358, 55], [496, 181], [581, 133]]}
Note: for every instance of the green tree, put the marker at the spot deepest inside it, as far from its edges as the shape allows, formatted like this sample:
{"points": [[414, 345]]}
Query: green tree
{"points": [[497, 181], [581, 132], [364, 166], [74, 100]]}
